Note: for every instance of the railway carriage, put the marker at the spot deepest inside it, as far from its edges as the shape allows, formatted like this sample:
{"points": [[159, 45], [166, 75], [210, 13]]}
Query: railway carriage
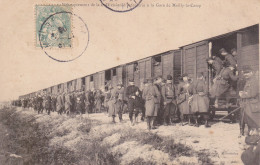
{"points": [[190, 59]]}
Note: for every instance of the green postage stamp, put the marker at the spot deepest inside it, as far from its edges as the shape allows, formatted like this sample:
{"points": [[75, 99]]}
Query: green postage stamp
{"points": [[53, 26]]}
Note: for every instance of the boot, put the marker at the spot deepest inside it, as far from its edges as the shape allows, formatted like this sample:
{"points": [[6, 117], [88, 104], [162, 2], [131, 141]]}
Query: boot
{"points": [[148, 123], [113, 119], [207, 124], [197, 124], [152, 122], [190, 122], [165, 122]]}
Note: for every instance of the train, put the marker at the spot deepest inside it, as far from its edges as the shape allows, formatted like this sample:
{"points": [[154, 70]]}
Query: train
{"points": [[190, 59]]}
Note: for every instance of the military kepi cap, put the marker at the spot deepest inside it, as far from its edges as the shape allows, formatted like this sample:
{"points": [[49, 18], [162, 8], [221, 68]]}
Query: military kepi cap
{"points": [[169, 77], [131, 80], [222, 50]]}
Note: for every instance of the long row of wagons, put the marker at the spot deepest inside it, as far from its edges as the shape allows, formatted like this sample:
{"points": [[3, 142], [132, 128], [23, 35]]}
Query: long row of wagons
{"points": [[190, 59]]}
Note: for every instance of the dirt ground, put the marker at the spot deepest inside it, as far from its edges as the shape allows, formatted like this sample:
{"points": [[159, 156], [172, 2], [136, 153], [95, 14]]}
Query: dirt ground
{"points": [[135, 144]]}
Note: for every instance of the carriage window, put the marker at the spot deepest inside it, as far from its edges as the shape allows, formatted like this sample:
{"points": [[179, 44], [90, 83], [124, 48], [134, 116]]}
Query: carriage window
{"points": [[108, 75], [157, 60], [136, 67], [114, 72], [91, 78], [83, 81]]}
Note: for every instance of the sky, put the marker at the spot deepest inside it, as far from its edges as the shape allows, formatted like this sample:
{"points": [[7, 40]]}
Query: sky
{"points": [[114, 38]]}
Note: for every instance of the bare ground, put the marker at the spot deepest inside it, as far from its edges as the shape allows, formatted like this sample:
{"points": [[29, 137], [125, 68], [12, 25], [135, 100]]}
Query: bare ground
{"points": [[93, 139]]}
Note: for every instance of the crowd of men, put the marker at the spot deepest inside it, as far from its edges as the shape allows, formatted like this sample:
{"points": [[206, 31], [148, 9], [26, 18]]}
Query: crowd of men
{"points": [[162, 102], [158, 99]]}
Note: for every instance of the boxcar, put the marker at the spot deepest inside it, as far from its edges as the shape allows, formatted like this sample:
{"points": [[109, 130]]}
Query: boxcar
{"points": [[246, 41]]}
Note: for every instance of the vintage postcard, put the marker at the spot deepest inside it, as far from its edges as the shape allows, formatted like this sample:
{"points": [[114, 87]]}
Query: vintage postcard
{"points": [[132, 82]]}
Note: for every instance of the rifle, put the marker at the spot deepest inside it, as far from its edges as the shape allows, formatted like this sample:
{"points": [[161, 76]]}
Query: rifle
{"points": [[229, 113]]}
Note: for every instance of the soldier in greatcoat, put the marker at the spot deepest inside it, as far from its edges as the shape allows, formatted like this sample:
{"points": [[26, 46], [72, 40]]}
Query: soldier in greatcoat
{"points": [[112, 108], [53, 103], [200, 100], [250, 105], [184, 94], [215, 64], [130, 95], [234, 53], [120, 100], [98, 100], [60, 105], [80, 106], [229, 59], [48, 104], [107, 95], [169, 100], [158, 83], [68, 104], [39, 104], [223, 83], [152, 97]]}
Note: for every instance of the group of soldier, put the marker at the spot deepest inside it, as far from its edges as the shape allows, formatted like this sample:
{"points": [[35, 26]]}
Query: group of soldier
{"points": [[162, 102], [77, 102], [158, 99]]}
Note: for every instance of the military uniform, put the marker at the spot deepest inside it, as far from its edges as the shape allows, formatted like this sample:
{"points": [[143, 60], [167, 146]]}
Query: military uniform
{"points": [[184, 91], [98, 101], [53, 103], [39, 104], [223, 82], [200, 100], [80, 107], [60, 103], [152, 98], [68, 104], [250, 102], [131, 94], [48, 104], [230, 60], [169, 98]]}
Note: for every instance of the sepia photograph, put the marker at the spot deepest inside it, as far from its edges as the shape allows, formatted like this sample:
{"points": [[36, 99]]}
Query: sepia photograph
{"points": [[129, 82]]}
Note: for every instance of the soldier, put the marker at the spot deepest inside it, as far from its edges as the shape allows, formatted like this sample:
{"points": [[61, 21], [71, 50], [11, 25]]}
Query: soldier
{"points": [[68, 104], [159, 118], [91, 100], [223, 83], [35, 103], [53, 103], [250, 106], [200, 100], [39, 104], [113, 103], [80, 103], [229, 59], [73, 97], [120, 101], [98, 100], [131, 94], [48, 104], [216, 65], [152, 97], [60, 103], [169, 98], [183, 99], [234, 53], [107, 97]]}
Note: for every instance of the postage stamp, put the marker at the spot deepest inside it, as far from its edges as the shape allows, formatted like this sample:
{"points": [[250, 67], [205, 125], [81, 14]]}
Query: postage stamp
{"points": [[53, 26], [61, 34], [120, 5]]}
